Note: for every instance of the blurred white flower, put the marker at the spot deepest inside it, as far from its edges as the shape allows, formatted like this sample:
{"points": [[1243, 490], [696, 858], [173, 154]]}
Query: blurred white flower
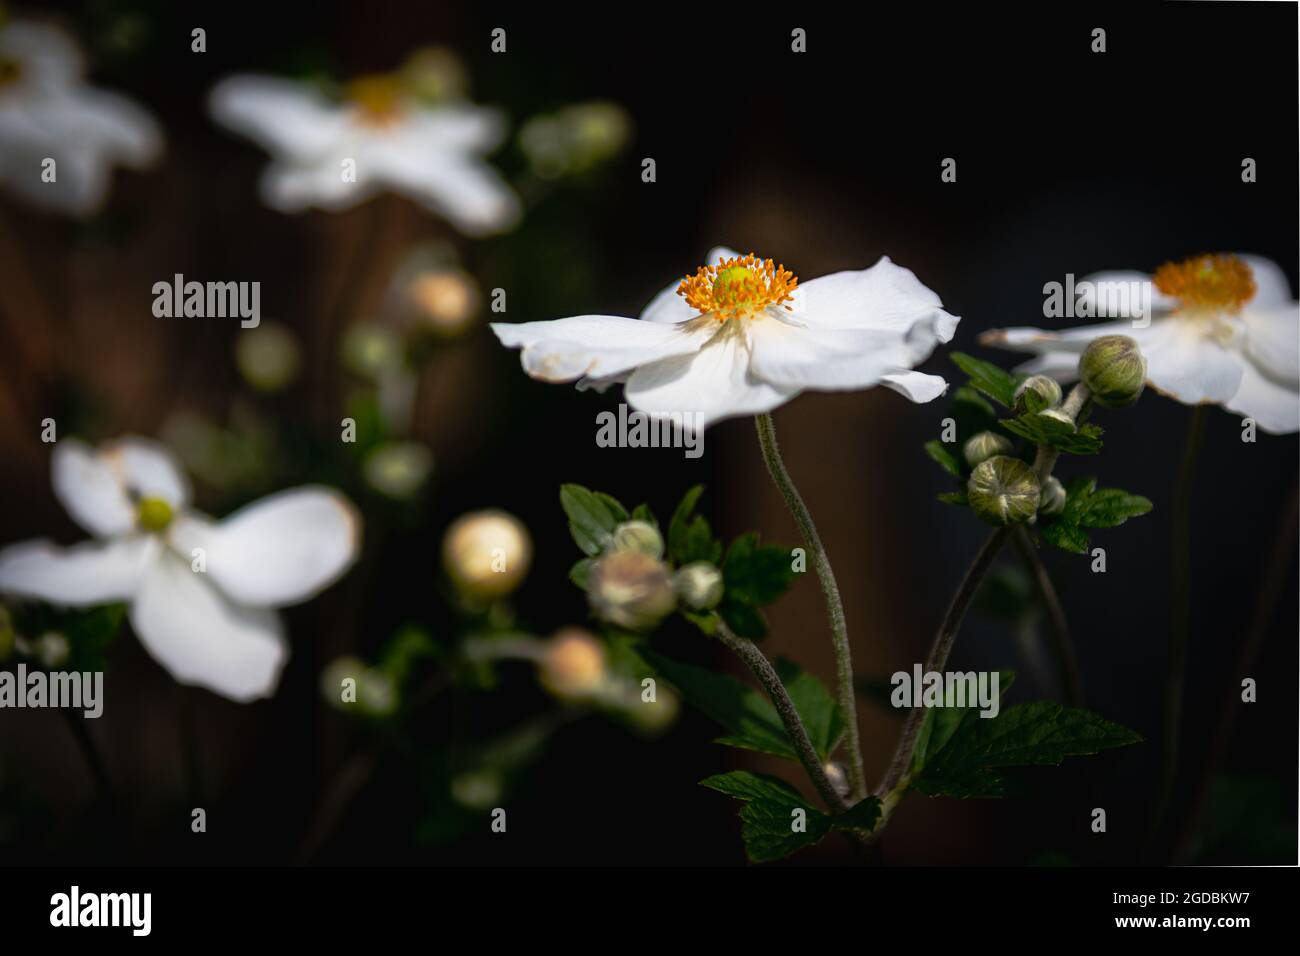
{"points": [[48, 113], [381, 132], [1223, 330], [742, 336], [201, 593]]}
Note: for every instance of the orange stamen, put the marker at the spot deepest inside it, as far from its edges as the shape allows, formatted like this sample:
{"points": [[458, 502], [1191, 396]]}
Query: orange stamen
{"points": [[739, 287], [1207, 283]]}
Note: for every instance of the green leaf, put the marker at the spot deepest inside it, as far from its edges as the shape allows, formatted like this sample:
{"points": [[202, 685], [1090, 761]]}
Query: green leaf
{"points": [[953, 498], [941, 723], [755, 574], [965, 395], [689, 536], [614, 505], [409, 645], [592, 517], [745, 619], [768, 814], [642, 512], [1111, 507], [750, 718], [1066, 536], [815, 705], [1087, 506], [1047, 430], [1036, 734], [863, 815], [946, 460], [90, 632], [581, 571], [987, 378]]}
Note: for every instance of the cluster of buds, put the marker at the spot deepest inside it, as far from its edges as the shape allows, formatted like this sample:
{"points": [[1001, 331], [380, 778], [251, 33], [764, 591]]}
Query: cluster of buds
{"points": [[631, 586]]}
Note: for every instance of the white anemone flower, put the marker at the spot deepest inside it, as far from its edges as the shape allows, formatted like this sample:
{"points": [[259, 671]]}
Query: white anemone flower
{"points": [[48, 113], [201, 593], [1223, 330], [334, 155], [742, 336]]}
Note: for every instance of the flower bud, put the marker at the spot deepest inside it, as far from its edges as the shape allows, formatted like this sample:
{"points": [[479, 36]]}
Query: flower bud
{"points": [[477, 789], [1051, 500], [1003, 490], [52, 649], [268, 356], [699, 585], [442, 301], [631, 590], [573, 664], [398, 469], [639, 536], [839, 780], [487, 553], [984, 445], [1047, 389], [1114, 370], [371, 350]]}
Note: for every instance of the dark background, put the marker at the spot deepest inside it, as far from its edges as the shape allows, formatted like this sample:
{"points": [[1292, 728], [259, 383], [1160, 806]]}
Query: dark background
{"points": [[1067, 161]]}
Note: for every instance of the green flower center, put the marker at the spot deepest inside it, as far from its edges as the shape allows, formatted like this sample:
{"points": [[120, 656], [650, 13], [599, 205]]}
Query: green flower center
{"points": [[154, 514]]}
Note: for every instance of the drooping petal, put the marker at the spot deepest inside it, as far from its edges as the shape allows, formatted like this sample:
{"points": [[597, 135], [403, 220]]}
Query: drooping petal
{"points": [[916, 386], [90, 489], [288, 118], [1066, 341], [1274, 405], [203, 638], [597, 346], [713, 383], [279, 550], [1271, 286], [147, 469], [466, 191], [885, 297], [670, 307], [79, 576], [792, 357], [1273, 340]]}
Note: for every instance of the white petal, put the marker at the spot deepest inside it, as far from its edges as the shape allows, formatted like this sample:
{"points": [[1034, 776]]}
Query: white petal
{"points": [[279, 550], [49, 57], [79, 576], [1188, 365], [793, 357], [203, 638], [885, 297], [466, 191], [1271, 286], [462, 128], [148, 470], [1275, 406], [596, 346], [288, 118], [713, 383], [667, 306], [297, 187], [90, 489], [1119, 294], [117, 129], [916, 386], [1273, 340], [1066, 341]]}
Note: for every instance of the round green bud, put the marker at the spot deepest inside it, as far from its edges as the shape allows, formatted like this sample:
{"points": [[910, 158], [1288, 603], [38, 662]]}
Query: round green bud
{"points": [[1045, 388], [1051, 500], [984, 445], [1114, 370], [631, 589], [699, 585], [268, 356], [639, 536], [1003, 490]]}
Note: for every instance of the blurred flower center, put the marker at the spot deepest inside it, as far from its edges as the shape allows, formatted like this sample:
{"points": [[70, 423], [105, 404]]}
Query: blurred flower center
{"points": [[11, 71], [154, 514], [740, 287], [1208, 284], [378, 98]]}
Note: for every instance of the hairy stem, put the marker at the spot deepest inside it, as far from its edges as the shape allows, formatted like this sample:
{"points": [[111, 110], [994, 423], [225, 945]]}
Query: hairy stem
{"points": [[1067, 665], [762, 668], [1180, 625], [834, 605]]}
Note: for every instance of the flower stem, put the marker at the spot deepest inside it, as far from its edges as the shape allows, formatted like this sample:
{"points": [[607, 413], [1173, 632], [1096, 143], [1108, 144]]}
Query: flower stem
{"points": [[94, 760], [1066, 663], [900, 765], [1180, 625], [762, 668], [835, 606]]}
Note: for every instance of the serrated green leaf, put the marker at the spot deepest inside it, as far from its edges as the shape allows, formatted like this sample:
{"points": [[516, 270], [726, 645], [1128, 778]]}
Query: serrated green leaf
{"points": [[941, 723], [1111, 507], [1037, 734], [987, 378], [1048, 430], [1066, 536], [953, 498], [863, 815], [1087, 506], [754, 573], [815, 705], [592, 517], [965, 395], [945, 459], [689, 536], [767, 817], [745, 619]]}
